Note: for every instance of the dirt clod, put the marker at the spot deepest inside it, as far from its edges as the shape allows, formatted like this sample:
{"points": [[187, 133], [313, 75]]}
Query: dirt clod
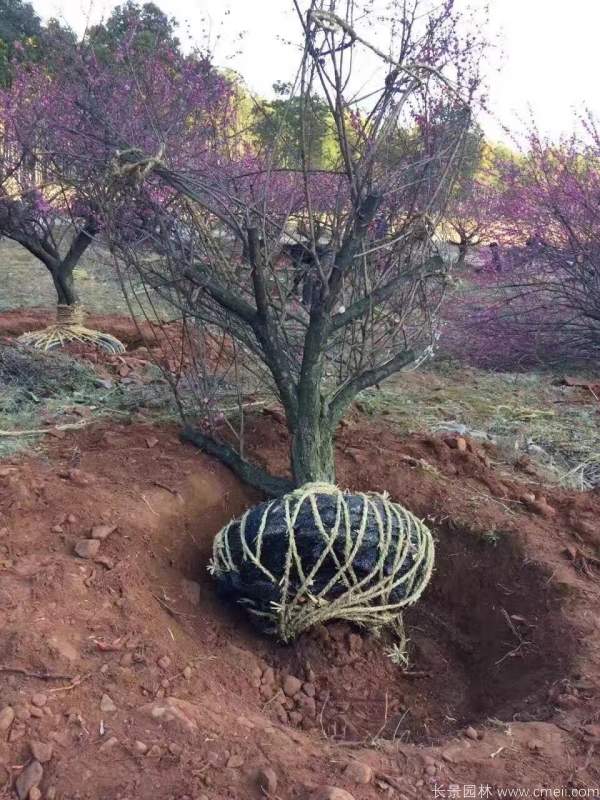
{"points": [[331, 793], [41, 751], [358, 772], [30, 777], [39, 699], [87, 548], [102, 532], [7, 716], [107, 705], [291, 685], [266, 779], [109, 744]]}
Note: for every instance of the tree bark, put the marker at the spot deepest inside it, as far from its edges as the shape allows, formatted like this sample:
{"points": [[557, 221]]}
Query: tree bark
{"points": [[312, 451], [64, 285]]}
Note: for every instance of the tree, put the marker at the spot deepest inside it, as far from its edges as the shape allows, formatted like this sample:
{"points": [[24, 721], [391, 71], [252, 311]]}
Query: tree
{"points": [[47, 146], [213, 235], [141, 29], [291, 126], [543, 282], [35, 210], [19, 26]]}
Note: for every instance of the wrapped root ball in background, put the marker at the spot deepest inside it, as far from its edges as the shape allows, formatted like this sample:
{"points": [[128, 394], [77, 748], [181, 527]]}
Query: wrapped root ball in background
{"points": [[318, 554]]}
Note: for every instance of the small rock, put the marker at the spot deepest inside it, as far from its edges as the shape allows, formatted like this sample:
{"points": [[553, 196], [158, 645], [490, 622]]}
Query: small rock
{"points": [[51, 793], [266, 778], [30, 777], [430, 769], [36, 712], [187, 672], [87, 548], [7, 716], [151, 442], [268, 676], [175, 749], [126, 659], [39, 699], [102, 532], [41, 751], [358, 772], [154, 752], [71, 519], [140, 747], [331, 793], [35, 794], [107, 705], [461, 444], [309, 689], [471, 733], [291, 685], [164, 662], [235, 762], [109, 744]]}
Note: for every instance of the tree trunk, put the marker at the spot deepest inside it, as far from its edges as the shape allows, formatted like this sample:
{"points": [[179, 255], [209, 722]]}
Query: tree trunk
{"points": [[64, 285], [312, 453]]}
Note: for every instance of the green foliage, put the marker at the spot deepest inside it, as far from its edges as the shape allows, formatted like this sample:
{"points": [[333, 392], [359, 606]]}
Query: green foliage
{"points": [[152, 28], [19, 26], [279, 128]]}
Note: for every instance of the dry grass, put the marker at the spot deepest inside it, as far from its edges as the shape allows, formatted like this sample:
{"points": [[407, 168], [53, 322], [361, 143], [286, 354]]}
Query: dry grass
{"points": [[557, 425]]}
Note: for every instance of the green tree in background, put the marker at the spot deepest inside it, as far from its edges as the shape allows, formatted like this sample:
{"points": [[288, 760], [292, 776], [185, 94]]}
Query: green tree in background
{"points": [[19, 28], [146, 27], [290, 126]]}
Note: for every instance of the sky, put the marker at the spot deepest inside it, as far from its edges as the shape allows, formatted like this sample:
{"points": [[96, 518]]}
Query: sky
{"points": [[547, 59]]}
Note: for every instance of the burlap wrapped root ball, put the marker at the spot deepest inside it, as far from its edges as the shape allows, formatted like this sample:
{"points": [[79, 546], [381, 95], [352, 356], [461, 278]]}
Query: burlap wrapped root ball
{"points": [[319, 554]]}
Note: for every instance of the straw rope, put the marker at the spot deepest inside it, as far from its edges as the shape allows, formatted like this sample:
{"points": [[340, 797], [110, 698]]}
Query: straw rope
{"points": [[68, 328], [397, 578]]}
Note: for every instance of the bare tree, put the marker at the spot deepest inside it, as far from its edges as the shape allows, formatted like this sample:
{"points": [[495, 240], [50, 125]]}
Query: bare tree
{"points": [[317, 284]]}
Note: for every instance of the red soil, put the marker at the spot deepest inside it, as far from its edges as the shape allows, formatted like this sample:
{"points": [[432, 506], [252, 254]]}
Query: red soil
{"points": [[507, 630], [502, 687]]}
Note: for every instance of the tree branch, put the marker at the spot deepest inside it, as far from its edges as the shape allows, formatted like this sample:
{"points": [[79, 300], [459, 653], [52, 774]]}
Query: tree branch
{"points": [[346, 393], [377, 296], [254, 476]]}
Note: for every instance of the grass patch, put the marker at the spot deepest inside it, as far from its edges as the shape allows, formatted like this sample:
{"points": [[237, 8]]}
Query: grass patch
{"points": [[521, 413]]}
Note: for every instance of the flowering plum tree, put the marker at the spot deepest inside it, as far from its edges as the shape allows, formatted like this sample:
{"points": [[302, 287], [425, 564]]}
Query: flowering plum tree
{"points": [[51, 148], [537, 299]]}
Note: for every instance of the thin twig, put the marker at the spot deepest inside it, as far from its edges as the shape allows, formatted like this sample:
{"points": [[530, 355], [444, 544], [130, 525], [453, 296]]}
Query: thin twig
{"points": [[44, 676]]}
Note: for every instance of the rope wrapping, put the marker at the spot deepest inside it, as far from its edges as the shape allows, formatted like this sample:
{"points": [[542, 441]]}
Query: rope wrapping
{"points": [[319, 554], [70, 315], [69, 327]]}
